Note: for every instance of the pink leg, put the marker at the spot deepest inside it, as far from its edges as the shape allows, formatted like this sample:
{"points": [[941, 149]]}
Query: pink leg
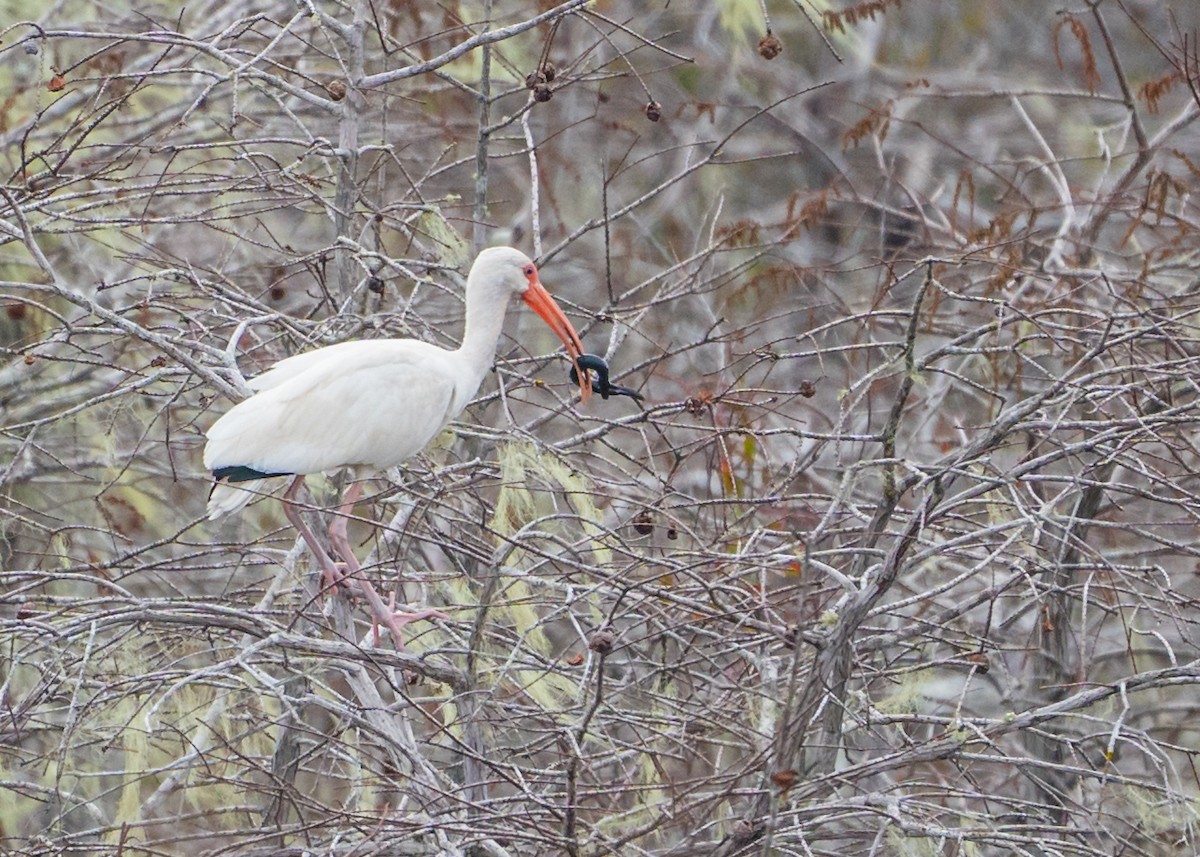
{"points": [[329, 570], [381, 613], [337, 530]]}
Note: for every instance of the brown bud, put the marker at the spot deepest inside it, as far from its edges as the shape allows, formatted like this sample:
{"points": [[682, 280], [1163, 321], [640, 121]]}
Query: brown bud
{"points": [[980, 661], [56, 83], [653, 111], [769, 47], [533, 79], [375, 285], [336, 89], [785, 779], [15, 312], [277, 293], [643, 523], [542, 93], [807, 389], [602, 641]]}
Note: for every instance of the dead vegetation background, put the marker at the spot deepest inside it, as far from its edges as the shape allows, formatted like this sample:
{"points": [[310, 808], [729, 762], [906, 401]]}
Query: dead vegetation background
{"points": [[899, 556]]}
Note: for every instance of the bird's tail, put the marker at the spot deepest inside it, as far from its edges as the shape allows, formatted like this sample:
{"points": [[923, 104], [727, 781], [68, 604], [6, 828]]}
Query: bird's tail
{"points": [[226, 497]]}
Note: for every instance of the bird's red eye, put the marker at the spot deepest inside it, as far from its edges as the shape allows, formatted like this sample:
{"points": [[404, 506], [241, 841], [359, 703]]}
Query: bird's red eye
{"points": [[529, 271]]}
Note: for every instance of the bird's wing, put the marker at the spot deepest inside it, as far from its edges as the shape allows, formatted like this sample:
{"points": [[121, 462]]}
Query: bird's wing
{"points": [[298, 364], [375, 405]]}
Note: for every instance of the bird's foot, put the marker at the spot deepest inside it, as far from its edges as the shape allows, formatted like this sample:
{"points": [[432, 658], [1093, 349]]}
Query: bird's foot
{"points": [[334, 578], [395, 620], [385, 613]]}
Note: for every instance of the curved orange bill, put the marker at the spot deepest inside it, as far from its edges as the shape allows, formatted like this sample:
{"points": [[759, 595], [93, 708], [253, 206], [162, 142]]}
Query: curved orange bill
{"points": [[539, 301]]}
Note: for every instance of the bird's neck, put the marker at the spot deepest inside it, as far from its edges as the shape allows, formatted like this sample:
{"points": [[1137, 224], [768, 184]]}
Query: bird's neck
{"points": [[480, 337]]}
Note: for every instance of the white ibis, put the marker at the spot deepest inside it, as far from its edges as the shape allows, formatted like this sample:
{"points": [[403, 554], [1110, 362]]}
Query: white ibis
{"points": [[369, 404]]}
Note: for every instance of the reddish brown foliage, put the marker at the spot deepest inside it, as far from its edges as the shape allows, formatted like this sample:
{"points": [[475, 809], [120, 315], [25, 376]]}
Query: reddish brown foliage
{"points": [[1153, 90], [838, 21], [876, 121], [1091, 73]]}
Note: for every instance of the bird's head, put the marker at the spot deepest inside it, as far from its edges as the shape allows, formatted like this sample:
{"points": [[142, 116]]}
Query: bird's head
{"points": [[511, 272]]}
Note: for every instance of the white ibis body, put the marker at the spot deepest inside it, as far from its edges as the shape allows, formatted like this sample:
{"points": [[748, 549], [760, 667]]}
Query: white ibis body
{"points": [[369, 404]]}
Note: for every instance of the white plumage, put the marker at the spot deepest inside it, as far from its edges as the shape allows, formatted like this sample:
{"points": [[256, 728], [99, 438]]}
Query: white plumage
{"points": [[369, 404], [372, 403]]}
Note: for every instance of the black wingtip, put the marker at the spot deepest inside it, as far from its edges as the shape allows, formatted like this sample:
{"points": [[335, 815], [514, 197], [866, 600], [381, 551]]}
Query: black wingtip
{"points": [[242, 473]]}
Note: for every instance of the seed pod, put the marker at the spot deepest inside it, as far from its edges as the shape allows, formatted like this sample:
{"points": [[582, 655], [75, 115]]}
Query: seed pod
{"points": [[56, 83], [769, 46], [545, 73], [602, 642], [807, 389], [336, 89], [542, 93], [653, 111], [374, 284], [643, 523]]}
